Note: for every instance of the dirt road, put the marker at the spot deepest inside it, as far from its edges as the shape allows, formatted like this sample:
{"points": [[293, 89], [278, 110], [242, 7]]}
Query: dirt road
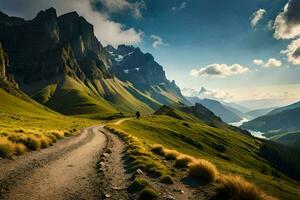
{"points": [[65, 171]]}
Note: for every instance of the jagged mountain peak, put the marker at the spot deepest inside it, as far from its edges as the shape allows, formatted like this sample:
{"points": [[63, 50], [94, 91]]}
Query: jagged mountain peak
{"points": [[46, 14]]}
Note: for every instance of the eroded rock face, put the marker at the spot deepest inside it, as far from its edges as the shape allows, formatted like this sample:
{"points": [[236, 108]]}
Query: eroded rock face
{"points": [[131, 64], [3, 63], [49, 46]]}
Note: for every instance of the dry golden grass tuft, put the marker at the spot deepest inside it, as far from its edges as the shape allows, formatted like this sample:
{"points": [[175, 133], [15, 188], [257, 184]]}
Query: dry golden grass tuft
{"points": [[20, 149], [236, 187], [9, 148], [184, 161], [203, 169], [171, 154], [6, 147]]}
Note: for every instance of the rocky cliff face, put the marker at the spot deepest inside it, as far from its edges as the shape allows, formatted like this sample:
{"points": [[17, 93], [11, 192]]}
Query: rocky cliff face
{"points": [[59, 62], [49, 46], [131, 64]]}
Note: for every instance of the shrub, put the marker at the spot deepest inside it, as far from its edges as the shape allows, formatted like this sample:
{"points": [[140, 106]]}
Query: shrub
{"points": [[45, 142], [6, 147], [51, 137], [17, 138], [138, 185], [203, 169], [32, 142], [171, 154], [158, 149], [183, 161], [236, 187], [19, 149], [57, 134], [167, 180], [148, 194]]}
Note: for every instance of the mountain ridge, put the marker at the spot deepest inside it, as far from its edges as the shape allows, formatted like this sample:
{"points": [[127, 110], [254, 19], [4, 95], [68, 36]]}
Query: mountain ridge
{"points": [[54, 58]]}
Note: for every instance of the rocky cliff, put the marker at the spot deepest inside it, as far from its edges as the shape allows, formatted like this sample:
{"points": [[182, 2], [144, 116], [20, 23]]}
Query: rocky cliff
{"points": [[59, 62], [131, 64]]}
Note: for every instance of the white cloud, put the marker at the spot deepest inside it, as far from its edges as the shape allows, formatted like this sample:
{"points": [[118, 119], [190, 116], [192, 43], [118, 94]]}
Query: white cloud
{"points": [[271, 63], [221, 70], [157, 41], [257, 16], [293, 52], [287, 23], [117, 6], [258, 62], [107, 31], [216, 94]]}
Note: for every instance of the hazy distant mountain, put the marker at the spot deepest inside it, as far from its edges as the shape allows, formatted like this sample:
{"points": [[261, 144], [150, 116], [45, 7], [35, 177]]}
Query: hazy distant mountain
{"points": [[236, 106], [289, 107], [257, 113], [280, 120], [226, 113]]}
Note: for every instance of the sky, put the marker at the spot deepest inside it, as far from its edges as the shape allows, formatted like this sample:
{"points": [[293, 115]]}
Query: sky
{"points": [[237, 50]]}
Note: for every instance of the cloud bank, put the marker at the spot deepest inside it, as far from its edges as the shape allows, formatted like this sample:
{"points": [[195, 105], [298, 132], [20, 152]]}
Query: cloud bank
{"points": [[120, 6], [107, 31], [293, 52], [220, 70], [287, 23], [257, 17]]}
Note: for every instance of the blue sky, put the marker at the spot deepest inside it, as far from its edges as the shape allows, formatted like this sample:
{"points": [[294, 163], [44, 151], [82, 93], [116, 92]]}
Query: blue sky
{"points": [[204, 32], [200, 43]]}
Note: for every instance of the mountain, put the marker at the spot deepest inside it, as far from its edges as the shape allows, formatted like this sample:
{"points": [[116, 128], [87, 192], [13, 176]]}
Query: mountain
{"points": [[58, 61], [226, 113], [288, 107], [131, 64], [284, 121], [260, 112]]}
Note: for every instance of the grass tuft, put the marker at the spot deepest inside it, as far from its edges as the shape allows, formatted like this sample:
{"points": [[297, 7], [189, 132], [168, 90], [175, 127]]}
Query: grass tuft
{"points": [[171, 154], [148, 194], [183, 161], [138, 185], [6, 147], [203, 169], [236, 187], [20, 149], [32, 142]]}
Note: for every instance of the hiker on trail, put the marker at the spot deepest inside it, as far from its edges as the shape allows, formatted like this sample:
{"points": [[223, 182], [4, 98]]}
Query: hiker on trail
{"points": [[138, 115]]}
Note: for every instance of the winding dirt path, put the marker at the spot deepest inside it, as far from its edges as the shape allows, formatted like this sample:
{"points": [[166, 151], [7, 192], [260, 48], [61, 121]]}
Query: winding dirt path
{"points": [[65, 171]]}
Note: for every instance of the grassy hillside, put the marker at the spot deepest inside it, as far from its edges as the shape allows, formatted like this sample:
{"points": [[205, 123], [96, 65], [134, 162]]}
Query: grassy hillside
{"points": [[291, 139], [287, 120], [230, 151], [30, 126], [106, 96]]}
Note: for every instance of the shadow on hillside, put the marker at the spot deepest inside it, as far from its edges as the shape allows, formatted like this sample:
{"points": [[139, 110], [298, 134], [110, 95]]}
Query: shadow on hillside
{"points": [[194, 182]]}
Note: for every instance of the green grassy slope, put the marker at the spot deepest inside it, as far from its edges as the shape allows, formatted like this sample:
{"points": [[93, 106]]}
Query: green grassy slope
{"points": [[18, 116], [105, 96], [232, 152], [291, 139]]}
